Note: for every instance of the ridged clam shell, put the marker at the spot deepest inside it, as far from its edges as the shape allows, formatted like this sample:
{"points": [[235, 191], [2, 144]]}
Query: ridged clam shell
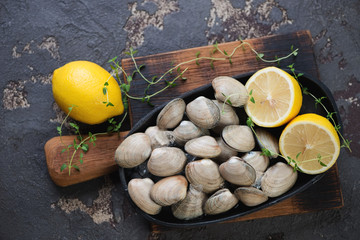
{"points": [[166, 161], [229, 87], [204, 147], [258, 161], [221, 201], [250, 196], [187, 131], [133, 151], [238, 172], [139, 191], [203, 112], [171, 115], [204, 175], [239, 137], [169, 190], [159, 138], [191, 206], [228, 116], [278, 179]]}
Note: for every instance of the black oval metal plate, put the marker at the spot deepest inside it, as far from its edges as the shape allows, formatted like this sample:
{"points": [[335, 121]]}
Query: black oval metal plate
{"points": [[304, 181]]}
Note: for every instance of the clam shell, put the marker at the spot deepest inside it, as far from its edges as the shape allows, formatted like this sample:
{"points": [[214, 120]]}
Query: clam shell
{"points": [[187, 131], [278, 179], [229, 87], [250, 196], [238, 172], [204, 147], [258, 161], [191, 206], [257, 183], [169, 190], [226, 151], [159, 138], [139, 191], [268, 141], [204, 175], [239, 137], [221, 201], [133, 151], [171, 115], [166, 161], [203, 112], [228, 116]]}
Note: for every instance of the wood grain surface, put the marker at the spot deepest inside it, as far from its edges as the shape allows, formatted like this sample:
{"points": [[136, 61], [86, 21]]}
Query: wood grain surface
{"points": [[326, 194], [98, 161]]}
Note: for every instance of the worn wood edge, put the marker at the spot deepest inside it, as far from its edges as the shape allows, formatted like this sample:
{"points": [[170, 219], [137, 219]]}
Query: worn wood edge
{"points": [[199, 48], [54, 159]]}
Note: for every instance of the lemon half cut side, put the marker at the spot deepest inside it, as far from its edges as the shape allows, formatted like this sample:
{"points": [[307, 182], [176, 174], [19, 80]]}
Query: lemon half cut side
{"points": [[275, 97], [312, 141]]}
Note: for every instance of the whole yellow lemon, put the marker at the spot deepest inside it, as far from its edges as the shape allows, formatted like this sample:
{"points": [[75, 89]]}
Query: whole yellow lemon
{"points": [[81, 84]]}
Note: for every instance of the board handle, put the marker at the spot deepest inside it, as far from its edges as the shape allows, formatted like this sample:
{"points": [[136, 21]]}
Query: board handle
{"points": [[97, 162]]}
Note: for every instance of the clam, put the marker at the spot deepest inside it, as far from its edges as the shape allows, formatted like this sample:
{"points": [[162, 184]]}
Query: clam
{"points": [[258, 161], [238, 172], [203, 112], [171, 115], [169, 190], [228, 88], [166, 161], [191, 206], [159, 138], [187, 131], [226, 151], [238, 137], [268, 141], [204, 175], [228, 116], [278, 179], [257, 183], [204, 147], [250, 196], [139, 191], [221, 201], [133, 151]]}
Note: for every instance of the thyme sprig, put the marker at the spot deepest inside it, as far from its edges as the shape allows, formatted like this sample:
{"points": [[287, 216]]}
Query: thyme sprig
{"points": [[155, 80], [318, 101], [82, 143]]}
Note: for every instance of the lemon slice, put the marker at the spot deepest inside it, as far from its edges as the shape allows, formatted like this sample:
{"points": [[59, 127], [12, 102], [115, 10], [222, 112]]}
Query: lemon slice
{"points": [[312, 141], [275, 97]]}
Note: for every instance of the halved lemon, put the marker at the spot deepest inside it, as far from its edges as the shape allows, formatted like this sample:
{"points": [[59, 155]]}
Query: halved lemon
{"points": [[275, 97], [310, 140]]}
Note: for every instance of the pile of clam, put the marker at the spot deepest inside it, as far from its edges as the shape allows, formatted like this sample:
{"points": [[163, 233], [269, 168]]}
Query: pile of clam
{"points": [[201, 158]]}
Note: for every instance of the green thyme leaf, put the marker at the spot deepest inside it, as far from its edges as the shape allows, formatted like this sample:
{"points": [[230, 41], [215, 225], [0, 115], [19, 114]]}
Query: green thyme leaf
{"points": [[85, 147], [76, 167], [249, 122], [63, 167]]}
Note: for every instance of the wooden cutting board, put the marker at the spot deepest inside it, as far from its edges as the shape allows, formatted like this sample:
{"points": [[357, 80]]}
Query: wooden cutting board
{"points": [[100, 159]]}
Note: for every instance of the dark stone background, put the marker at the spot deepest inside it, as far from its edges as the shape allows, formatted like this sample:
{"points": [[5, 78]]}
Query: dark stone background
{"points": [[40, 36]]}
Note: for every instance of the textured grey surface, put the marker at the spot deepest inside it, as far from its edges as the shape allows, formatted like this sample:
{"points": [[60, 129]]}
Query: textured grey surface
{"points": [[40, 36]]}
